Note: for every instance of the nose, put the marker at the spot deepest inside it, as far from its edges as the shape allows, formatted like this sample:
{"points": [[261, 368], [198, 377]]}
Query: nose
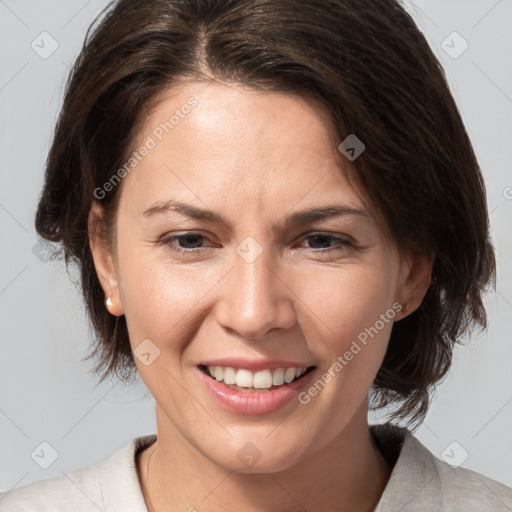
{"points": [[255, 299]]}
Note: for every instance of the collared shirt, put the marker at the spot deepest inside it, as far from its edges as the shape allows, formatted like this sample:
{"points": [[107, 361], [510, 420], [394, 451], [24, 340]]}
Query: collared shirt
{"points": [[419, 482]]}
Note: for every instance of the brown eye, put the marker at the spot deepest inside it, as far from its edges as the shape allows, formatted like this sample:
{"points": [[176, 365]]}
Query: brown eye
{"points": [[186, 242], [324, 240]]}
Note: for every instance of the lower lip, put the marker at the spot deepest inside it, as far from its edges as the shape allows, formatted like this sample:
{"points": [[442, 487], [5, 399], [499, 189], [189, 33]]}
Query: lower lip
{"points": [[254, 402]]}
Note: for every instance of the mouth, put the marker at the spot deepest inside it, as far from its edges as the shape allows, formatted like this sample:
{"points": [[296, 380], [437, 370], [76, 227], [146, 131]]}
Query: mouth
{"points": [[260, 382]]}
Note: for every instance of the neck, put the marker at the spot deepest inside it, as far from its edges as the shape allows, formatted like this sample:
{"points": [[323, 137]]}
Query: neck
{"points": [[346, 474]]}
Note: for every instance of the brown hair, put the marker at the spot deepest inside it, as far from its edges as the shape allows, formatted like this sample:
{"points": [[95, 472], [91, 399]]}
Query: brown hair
{"points": [[373, 70]]}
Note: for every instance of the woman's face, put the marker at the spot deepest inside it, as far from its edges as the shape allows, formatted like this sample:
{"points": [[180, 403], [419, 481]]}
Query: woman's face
{"points": [[248, 275]]}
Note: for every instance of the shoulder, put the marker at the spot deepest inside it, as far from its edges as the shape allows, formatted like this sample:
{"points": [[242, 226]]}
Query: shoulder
{"points": [[421, 482], [464, 489], [79, 490], [102, 486]]}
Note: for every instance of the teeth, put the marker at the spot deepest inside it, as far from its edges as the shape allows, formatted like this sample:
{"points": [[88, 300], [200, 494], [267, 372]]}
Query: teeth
{"points": [[229, 376], [260, 380], [278, 377], [244, 378], [263, 379], [289, 375]]}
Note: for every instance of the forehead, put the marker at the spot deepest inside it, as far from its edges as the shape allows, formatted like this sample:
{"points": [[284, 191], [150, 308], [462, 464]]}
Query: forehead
{"points": [[222, 142], [239, 111]]}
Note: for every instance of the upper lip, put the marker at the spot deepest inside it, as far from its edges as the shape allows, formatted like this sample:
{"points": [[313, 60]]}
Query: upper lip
{"points": [[255, 365]]}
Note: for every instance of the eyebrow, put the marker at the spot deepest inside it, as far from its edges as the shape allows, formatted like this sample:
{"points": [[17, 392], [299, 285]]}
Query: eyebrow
{"points": [[300, 217]]}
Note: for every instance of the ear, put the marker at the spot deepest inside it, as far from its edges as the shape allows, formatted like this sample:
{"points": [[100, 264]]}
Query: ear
{"points": [[416, 277], [103, 260]]}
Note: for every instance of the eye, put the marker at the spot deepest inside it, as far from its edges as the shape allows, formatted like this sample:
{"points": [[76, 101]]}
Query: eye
{"points": [[324, 239], [186, 242], [191, 242]]}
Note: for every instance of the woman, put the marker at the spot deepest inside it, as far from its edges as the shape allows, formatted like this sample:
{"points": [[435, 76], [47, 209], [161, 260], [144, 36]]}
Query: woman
{"points": [[276, 211]]}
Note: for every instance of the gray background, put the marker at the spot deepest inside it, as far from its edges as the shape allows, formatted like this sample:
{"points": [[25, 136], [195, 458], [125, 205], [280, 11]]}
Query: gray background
{"points": [[47, 394]]}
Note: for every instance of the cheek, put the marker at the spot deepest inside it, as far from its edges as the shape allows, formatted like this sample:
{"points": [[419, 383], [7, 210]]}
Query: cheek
{"points": [[161, 301], [348, 302]]}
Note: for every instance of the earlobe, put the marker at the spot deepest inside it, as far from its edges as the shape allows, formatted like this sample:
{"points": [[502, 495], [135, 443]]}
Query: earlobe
{"points": [[417, 277], [103, 261]]}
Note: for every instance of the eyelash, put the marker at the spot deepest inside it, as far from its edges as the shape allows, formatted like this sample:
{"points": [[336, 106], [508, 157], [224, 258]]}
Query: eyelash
{"points": [[168, 241]]}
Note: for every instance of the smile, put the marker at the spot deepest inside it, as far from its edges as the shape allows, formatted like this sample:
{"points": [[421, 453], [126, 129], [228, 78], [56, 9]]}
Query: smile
{"points": [[246, 380], [243, 399]]}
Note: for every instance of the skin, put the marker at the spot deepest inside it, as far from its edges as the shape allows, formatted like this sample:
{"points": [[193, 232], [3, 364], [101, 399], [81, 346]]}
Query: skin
{"points": [[254, 157]]}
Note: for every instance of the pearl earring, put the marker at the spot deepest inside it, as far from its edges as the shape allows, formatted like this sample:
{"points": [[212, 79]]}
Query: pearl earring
{"points": [[108, 302]]}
